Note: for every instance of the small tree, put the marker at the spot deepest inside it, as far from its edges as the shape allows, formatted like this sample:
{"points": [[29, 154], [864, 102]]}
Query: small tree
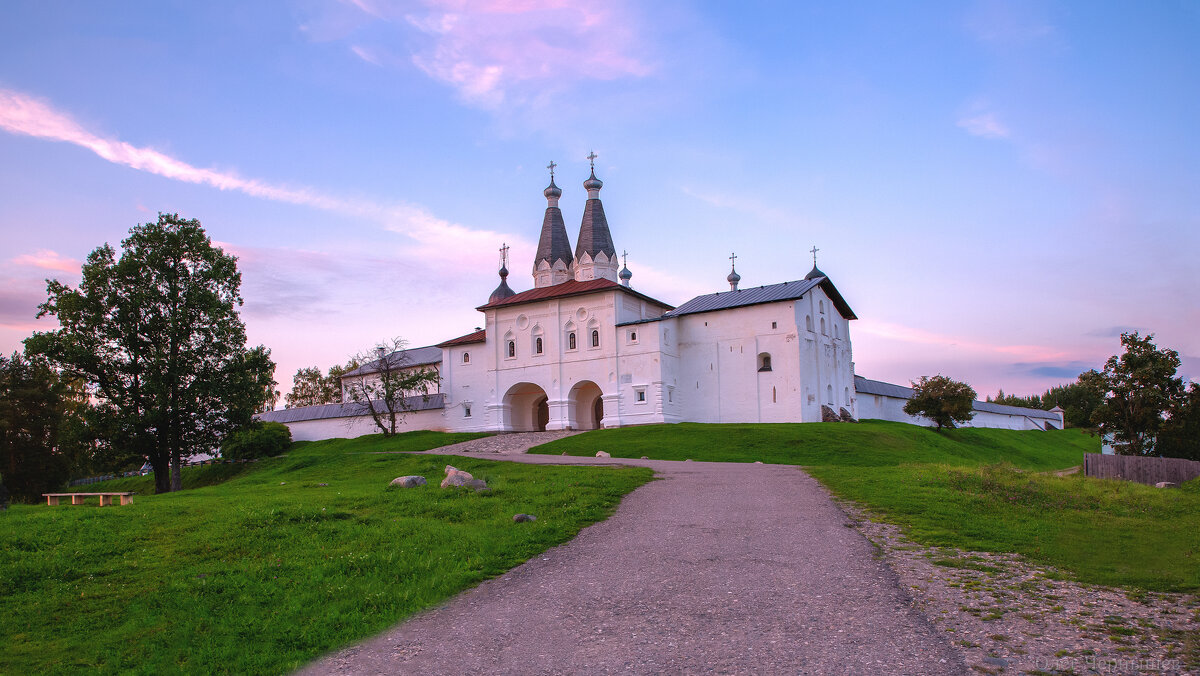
{"points": [[1142, 391], [311, 388], [388, 385], [941, 400]]}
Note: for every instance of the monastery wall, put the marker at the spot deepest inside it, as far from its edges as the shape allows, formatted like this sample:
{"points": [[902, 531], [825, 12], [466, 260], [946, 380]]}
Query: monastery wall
{"points": [[357, 426]]}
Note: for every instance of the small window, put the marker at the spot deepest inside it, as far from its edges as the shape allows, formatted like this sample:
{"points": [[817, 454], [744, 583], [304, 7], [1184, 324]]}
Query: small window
{"points": [[774, 325], [571, 340], [829, 394], [595, 338], [639, 396], [633, 336], [808, 322], [847, 396], [821, 306], [823, 333], [537, 346], [466, 357], [670, 394], [512, 349], [764, 362], [467, 411], [836, 333]]}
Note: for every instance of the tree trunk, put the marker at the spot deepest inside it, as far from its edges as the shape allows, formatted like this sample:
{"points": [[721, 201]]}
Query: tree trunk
{"points": [[176, 476], [162, 476]]}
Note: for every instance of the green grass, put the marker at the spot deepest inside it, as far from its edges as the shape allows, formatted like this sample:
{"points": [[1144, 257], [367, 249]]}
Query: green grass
{"points": [[269, 569], [972, 489], [872, 443]]}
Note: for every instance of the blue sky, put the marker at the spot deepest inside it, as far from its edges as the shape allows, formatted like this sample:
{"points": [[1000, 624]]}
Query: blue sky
{"points": [[997, 188]]}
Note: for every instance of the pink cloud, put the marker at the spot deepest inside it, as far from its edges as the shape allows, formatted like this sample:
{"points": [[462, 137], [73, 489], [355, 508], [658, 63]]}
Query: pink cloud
{"points": [[496, 51], [29, 116], [48, 260]]}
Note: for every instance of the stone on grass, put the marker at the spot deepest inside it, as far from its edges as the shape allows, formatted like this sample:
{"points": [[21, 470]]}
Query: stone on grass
{"points": [[758, 462], [1166, 484], [520, 518], [602, 454], [408, 481], [645, 458], [477, 484], [456, 477]]}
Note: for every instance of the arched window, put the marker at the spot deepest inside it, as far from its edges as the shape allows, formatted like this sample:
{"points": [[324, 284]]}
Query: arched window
{"points": [[512, 348], [764, 362], [537, 346], [829, 394], [847, 395], [571, 340], [823, 333], [836, 333], [595, 338], [466, 357], [821, 305], [808, 322]]}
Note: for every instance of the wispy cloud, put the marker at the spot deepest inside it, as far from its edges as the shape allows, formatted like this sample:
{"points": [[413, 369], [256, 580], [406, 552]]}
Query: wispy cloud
{"points": [[29, 116], [499, 52], [908, 334], [48, 260], [986, 125]]}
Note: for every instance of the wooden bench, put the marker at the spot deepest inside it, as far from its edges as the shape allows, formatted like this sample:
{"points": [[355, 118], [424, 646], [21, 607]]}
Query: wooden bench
{"points": [[77, 498]]}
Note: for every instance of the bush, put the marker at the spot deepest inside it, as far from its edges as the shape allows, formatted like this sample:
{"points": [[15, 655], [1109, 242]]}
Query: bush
{"points": [[258, 440]]}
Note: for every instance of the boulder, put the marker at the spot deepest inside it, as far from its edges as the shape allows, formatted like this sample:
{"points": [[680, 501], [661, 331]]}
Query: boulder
{"points": [[645, 458], [758, 462], [521, 518], [408, 481], [829, 415], [602, 454], [1166, 484], [477, 484], [456, 477]]}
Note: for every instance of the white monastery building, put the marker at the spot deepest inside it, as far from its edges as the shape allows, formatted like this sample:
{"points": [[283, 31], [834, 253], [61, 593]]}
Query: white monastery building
{"points": [[582, 350]]}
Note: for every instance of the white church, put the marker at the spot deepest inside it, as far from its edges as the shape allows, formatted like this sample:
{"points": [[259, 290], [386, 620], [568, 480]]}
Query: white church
{"points": [[583, 350]]}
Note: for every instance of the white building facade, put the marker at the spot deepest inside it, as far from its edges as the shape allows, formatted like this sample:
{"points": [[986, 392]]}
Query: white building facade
{"points": [[583, 350]]}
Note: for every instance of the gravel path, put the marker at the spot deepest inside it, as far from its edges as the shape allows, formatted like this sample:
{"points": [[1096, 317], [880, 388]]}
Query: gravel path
{"points": [[715, 568]]}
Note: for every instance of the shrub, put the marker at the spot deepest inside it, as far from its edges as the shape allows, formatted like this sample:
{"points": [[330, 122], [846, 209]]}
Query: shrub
{"points": [[257, 440]]}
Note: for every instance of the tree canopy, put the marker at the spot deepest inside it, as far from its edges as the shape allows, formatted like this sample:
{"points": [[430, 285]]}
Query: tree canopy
{"points": [[32, 410], [311, 388], [1143, 392], [941, 400], [157, 336], [389, 384]]}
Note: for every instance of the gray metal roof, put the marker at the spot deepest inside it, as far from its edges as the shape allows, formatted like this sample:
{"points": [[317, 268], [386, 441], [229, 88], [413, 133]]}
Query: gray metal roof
{"points": [[323, 411], [866, 386], [750, 296], [417, 356]]}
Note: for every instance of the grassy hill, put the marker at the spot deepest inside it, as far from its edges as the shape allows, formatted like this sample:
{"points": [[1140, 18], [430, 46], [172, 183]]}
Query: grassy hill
{"points": [[973, 489], [264, 566]]}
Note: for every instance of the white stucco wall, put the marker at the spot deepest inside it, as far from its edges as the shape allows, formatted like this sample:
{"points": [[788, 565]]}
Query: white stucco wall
{"points": [[882, 407], [357, 426]]}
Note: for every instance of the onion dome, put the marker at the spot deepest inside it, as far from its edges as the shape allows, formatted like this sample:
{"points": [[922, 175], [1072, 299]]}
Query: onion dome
{"points": [[552, 192], [503, 291], [592, 183], [733, 279], [625, 275], [815, 272]]}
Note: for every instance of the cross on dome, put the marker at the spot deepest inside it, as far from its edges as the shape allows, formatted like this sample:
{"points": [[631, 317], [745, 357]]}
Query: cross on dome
{"points": [[814, 251], [592, 158], [504, 255], [551, 167]]}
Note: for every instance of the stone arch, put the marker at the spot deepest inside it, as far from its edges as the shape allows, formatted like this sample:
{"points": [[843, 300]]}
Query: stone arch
{"points": [[586, 405], [526, 408]]}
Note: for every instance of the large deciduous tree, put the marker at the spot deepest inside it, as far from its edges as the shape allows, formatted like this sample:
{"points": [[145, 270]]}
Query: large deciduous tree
{"points": [[156, 334], [1142, 391], [388, 385], [941, 400], [311, 388]]}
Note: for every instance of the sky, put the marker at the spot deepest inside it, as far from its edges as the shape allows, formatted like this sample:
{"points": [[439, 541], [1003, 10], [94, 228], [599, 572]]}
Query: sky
{"points": [[998, 189]]}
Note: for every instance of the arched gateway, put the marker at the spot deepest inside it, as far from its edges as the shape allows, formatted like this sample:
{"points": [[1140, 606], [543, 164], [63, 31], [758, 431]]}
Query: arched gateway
{"points": [[527, 408], [587, 405]]}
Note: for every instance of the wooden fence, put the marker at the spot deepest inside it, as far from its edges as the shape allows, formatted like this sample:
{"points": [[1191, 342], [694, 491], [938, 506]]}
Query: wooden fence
{"points": [[1141, 469]]}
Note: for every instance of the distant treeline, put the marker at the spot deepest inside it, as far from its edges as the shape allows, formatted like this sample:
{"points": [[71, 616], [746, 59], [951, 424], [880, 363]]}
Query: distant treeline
{"points": [[1079, 400]]}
